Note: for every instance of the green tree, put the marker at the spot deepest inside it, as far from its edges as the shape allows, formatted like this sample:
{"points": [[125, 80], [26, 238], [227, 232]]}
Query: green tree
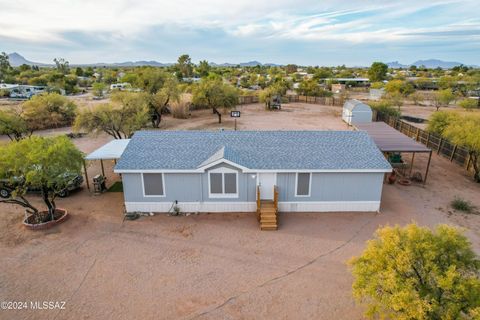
{"points": [[5, 66], [464, 130], [62, 65], [127, 113], [184, 66], [214, 94], [13, 125], [399, 87], [203, 68], [377, 71], [40, 163], [385, 107], [442, 98], [310, 87], [439, 121], [79, 72], [468, 104], [158, 103], [49, 110], [98, 89], [415, 273], [290, 68]]}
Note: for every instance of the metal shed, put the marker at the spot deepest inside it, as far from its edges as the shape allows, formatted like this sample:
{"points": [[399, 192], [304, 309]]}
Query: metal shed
{"points": [[389, 139], [355, 111]]}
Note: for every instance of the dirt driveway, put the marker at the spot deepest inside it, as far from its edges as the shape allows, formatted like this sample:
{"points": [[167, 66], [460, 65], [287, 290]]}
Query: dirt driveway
{"points": [[209, 266]]}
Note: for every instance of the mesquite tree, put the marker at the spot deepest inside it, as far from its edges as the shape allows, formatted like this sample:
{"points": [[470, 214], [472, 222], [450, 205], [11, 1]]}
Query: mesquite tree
{"points": [[39, 163], [213, 93]]}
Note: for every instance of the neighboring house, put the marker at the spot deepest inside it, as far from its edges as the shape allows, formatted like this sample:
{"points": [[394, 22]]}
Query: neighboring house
{"points": [[338, 87], [219, 171], [21, 91], [120, 86], [355, 111]]}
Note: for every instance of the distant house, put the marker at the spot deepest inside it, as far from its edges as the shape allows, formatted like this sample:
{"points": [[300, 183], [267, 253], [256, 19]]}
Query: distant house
{"points": [[338, 87], [355, 111], [228, 171], [20, 91], [121, 86]]}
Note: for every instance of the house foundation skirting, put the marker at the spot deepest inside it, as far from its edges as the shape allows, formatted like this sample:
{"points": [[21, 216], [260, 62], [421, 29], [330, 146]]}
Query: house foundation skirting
{"points": [[329, 206], [192, 206], [305, 206]]}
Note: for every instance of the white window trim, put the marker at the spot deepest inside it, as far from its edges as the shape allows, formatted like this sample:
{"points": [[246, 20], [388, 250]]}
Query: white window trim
{"points": [[223, 194], [150, 195], [309, 186]]}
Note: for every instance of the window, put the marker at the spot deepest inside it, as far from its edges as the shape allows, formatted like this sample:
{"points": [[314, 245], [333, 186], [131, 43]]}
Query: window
{"points": [[303, 184], [153, 184], [223, 183]]}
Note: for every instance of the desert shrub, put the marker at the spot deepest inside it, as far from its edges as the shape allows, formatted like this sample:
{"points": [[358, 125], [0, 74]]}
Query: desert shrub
{"points": [[4, 93], [385, 107], [461, 205], [467, 104], [180, 109]]}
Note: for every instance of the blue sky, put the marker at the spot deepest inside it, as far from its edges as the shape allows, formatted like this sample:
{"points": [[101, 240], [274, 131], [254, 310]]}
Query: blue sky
{"points": [[304, 32]]}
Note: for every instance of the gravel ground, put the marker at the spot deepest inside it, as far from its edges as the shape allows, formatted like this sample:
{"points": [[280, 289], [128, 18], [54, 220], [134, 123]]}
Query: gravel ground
{"points": [[211, 266]]}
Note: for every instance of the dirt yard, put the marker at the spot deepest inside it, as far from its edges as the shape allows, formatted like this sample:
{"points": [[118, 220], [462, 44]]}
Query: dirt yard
{"points": [[211, 266]]}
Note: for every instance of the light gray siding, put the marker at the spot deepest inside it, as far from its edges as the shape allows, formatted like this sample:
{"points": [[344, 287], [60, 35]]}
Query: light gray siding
{"points": [[187, 187], [333, 187]]}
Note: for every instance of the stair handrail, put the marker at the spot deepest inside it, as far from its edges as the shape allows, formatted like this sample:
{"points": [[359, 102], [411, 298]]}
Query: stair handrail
{"points": [[275, 197]]}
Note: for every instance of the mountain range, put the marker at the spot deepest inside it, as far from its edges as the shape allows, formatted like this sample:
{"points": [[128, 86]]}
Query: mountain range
{"points": [[16, 60], [429, 63]]}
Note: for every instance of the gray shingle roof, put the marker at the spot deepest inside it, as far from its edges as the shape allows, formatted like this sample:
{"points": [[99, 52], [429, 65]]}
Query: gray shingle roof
{"points": [[268, 150]]}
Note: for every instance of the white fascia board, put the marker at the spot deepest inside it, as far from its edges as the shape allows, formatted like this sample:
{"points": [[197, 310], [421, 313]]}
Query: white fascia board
{"points": [[257, 170]]}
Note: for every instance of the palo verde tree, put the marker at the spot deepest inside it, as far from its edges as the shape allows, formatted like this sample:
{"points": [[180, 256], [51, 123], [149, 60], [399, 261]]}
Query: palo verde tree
{"points": [[462, 130], [213, 93], [127, 113], [442, 98], [416, 273], [39, 163]]}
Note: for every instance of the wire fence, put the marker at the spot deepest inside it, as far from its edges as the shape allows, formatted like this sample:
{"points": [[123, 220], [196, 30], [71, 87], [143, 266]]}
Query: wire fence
{"points": [[455, 153]]}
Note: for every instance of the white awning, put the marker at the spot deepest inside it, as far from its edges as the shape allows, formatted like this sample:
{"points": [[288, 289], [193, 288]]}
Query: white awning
{"points": [[110, 151]]}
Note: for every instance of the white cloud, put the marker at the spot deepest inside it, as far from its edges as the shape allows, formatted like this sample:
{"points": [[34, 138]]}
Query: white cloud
{"points": [[309, 20]]}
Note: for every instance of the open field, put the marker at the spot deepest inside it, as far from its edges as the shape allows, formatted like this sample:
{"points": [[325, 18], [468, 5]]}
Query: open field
{"points": [[212, 266]]}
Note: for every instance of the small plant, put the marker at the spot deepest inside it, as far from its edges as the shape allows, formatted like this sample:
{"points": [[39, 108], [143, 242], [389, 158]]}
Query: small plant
{"points": [[462, 205]]}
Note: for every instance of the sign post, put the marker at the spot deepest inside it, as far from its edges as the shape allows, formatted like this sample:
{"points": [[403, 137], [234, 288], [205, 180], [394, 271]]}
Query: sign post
{"points": [[235, 114]]}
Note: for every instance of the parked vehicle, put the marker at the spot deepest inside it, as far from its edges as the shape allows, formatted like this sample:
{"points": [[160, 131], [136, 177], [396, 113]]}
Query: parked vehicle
{"points": [[73, 182]]}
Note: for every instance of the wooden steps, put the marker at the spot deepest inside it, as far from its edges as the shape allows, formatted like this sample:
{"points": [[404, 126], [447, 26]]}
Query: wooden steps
{"points": [[268, 215]]}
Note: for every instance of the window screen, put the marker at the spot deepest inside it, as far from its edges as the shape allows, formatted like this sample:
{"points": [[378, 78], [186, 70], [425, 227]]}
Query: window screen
{"points": [[216, 183], [303, 184], [153, 184], [230, 182]]}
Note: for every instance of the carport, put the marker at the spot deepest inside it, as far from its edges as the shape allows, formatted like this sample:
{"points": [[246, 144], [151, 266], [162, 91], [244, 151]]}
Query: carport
{"points": [[112, 150], [389, 139]]}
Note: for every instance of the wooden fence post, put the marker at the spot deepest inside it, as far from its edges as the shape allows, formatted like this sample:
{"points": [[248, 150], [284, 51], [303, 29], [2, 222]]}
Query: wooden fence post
{"points": [[440, 145], [453, 153], [418, 134], [428, 139]]}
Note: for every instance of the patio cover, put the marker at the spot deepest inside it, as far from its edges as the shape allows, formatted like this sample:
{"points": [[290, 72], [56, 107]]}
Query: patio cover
{"points": [[389, 139], [111, 151]]}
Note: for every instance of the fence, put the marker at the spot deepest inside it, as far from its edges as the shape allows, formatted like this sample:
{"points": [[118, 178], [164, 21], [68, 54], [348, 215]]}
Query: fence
{"points": [[441, 146], [328, 101]]}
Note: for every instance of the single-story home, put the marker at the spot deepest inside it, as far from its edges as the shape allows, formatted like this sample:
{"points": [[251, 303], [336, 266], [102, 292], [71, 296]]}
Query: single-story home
{"points": [[355, 111], [219, 171]]}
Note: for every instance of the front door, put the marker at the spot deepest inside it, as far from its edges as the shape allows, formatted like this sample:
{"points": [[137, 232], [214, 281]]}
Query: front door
{"points": [[266, 181]]}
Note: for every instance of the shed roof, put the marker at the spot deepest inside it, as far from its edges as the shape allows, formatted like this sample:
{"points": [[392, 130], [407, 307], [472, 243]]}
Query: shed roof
{"points": [[110, 151], [356, 104], [390, 140], [262, 150]]}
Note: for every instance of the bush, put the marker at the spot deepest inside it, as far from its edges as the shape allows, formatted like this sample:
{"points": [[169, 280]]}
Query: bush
{"points": [[180, 109], [468, 104], [385, 107], [462, 205]]}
